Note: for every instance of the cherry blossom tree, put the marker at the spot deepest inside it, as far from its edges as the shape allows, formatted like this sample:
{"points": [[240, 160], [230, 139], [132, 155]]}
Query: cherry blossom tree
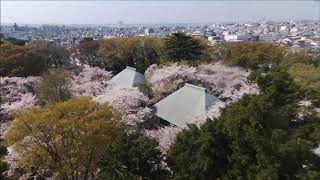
{"points": [[133, 103], [227, 83], [91, 81], [17, 93], [165, 136], [169, 78], [213, 112]]}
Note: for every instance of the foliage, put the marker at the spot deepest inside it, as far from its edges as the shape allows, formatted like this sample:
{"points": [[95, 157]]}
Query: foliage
{"points": [[15, 41], [138, 52], [145, 53], [252, 54], [116, 54], [3, 150], [3, 165], [87, 52], [56, 56], [308, 77], [302, 68], [132, 156], [20, 61], [68, 138], [3, 168], [293, 58], [54, 86], [255, 138], [199, 153], [180, 46]]}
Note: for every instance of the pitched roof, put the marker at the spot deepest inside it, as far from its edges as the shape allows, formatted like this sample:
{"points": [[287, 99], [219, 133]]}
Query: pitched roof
{"points": [[179, 107], [128, 77]]}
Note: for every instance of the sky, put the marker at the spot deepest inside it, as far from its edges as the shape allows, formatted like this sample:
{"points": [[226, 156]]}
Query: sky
{"points": [[135, 12]]}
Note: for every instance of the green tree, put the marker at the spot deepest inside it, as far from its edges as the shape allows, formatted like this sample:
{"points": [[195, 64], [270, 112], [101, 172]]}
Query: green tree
{"points": [[307, 76], [56, 56], [3, 165], [20, 61], [252, 54], [146, 53], [87, 52], [54, 86], [15, 41], [68, 138], [132, 156], [180, 46], [116, 53], [296, 57], [199, 153], [137, 52]]}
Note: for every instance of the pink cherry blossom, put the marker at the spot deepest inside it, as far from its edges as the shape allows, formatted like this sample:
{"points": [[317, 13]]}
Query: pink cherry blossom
{"points": [[91, 81], [227, 83], [165, 136], [169, 78], [17, 93], [133, 103]]}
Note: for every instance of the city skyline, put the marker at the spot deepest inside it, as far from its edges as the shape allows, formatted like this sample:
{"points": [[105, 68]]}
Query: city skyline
{"points": [[157, 12]]}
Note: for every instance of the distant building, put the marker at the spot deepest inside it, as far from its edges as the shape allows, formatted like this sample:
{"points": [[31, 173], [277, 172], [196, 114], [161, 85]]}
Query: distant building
{"points": [[197, 34], [181, 106], [238, 37], [149, 31], [272, 36], [15, 27], [210, 33]]}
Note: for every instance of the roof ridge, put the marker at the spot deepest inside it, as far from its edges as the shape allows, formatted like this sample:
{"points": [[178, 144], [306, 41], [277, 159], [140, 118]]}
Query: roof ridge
{"points": [[131, 68], [194, 86]]}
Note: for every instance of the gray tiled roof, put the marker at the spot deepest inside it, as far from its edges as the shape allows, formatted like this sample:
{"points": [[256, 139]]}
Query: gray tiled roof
{"points": [[179, 107], [128, 78]]}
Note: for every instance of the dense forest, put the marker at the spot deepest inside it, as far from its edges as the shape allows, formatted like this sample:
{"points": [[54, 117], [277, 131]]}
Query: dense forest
{"points": [[62, 119]]}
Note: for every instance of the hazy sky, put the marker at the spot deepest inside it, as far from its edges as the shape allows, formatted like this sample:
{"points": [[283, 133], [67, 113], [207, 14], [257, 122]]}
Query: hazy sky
{"points": [[103, 12]]}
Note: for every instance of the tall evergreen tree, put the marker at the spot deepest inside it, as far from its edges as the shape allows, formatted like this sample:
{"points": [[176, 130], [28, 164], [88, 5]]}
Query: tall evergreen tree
{"points": [[180, 46], [132, 156]]}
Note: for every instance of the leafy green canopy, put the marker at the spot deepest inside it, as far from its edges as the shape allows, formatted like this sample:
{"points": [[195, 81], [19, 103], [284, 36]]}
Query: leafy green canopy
{"points": [[20, 61], [132, 156], [199, 153], [304, 68], [68, 138], [180, 46], [15, 41], [55, 55], [87, 52], [3, 165], [53, 87], [252, 54], [137, 52]]}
